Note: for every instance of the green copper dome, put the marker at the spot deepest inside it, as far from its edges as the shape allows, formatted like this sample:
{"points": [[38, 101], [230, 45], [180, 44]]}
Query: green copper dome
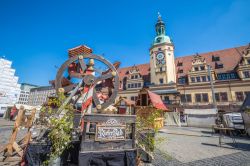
{"points": [[160, 29]]}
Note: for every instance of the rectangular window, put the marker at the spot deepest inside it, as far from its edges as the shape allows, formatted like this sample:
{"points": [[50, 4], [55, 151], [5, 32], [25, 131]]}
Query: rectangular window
{"points": [[161, 80], [136, 76], [186, 98], [196, 69], [204, 97], [248, 61], [246, 74], [139, 85], [198, 97], [135, 85], [182, 80], [189, 98], [132, 85], [132, 77], [198, 79], [223, 96], [181, 71], [202, 67], [128, 85], [183, 98], [166, 98], [192, 79], [132, 98], [204, 78], [239, 96]]}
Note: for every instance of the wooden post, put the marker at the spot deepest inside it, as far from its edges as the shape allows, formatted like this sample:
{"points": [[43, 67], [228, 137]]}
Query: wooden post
{"points": [[29, 125], [12, 145]]}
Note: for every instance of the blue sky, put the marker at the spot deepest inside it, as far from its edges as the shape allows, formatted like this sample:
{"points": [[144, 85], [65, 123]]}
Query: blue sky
{"points": [[36, 35]]}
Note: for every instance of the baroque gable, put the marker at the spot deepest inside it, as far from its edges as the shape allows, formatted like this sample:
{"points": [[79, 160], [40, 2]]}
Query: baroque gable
{"points": [[198, 60]]}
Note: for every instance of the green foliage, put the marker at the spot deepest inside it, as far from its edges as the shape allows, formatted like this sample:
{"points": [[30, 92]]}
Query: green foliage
{"points": [[60, 127], [146, 130], [247, 110]]}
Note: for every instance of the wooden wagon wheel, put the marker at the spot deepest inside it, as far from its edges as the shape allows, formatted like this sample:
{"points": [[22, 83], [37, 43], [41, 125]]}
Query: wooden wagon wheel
{"points": [[88, 79]]}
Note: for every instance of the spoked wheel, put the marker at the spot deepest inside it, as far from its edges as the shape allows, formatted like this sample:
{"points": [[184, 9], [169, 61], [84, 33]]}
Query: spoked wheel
{"points": [[81, 74]]}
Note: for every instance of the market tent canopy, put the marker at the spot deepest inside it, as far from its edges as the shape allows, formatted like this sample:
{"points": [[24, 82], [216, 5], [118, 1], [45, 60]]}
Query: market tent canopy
{"points": [[147, 98], [156, 101]]}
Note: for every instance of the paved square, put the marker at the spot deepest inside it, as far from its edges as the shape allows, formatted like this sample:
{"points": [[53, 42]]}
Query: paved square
{"points": [[198, 146]]}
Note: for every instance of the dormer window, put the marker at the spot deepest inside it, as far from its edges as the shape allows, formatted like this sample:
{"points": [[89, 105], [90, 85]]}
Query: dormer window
{"points": [[202, 67], [132, 77], [196, 68], [159, 49], [218, 66], [179, 64], [215, 58], [136, 76]]}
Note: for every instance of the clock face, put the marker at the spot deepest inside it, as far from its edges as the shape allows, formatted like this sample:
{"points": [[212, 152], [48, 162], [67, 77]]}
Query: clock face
{"points": [[160, 56]]}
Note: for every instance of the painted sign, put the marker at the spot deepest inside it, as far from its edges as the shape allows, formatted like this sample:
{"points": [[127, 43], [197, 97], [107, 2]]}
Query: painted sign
{"points": [[110, 131]]}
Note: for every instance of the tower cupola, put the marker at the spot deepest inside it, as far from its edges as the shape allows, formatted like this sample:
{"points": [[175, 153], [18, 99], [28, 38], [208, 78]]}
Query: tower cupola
{"points": [[160, 29]]}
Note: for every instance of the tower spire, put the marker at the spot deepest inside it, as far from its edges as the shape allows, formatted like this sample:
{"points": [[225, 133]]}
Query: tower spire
{"points": [[160, 26], [159, 16]]}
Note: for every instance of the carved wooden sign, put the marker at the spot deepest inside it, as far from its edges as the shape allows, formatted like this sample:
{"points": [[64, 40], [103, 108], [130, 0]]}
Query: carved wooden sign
{"points": [[110, 131]]}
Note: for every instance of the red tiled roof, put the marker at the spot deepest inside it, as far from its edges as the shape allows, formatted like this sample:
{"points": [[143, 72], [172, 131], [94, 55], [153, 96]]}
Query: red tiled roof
{"points": [[228, 57], [144, 70], [156, 101]]}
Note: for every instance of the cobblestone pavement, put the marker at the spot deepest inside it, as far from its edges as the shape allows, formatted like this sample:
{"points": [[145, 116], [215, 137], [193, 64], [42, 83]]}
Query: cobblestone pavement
{"points": [[6, 130], [186, 146]]}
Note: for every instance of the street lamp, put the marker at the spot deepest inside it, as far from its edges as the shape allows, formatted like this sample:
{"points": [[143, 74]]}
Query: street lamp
{"points": [[212, 87]]}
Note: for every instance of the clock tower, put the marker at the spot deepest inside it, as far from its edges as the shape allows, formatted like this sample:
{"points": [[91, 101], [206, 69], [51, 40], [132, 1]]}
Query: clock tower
{"points": [[162, 62]]}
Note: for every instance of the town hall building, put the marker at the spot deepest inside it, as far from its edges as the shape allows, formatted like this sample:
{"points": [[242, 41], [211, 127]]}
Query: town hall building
{"points": [[187, 81]]}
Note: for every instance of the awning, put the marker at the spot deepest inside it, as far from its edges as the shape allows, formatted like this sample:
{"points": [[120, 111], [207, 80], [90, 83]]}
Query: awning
{"points": [[156, 101], [167, 91]]}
